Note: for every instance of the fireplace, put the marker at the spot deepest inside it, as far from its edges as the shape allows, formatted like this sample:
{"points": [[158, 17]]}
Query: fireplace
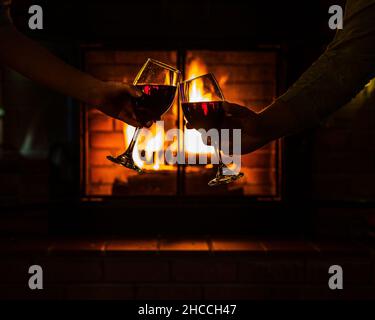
{"points": [[246, 77]]}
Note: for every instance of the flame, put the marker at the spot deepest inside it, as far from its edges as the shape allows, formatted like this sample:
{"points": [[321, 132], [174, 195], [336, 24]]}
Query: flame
{"points": [[193, 142], [150, 144], [197, 68]]}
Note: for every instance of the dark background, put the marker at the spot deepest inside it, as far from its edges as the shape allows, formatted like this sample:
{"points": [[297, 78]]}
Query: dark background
{"points": [[328, 170], [187, 248], [301, 30]]}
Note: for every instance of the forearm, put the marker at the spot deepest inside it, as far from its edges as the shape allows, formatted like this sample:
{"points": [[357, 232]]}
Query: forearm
{"points": [[35, 62], [332, 81]]}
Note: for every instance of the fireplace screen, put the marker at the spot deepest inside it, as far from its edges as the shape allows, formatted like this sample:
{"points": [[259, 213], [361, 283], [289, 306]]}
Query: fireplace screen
{"points": [[246, 78]]}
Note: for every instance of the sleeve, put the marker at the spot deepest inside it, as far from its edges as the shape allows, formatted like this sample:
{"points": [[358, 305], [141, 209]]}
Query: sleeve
{"points": [[337, 76], [5, 18]]}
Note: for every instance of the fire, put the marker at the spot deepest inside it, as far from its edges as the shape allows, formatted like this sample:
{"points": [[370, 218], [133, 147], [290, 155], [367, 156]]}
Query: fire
{"points": [[151, 144], [197, 68], [193, 142]]}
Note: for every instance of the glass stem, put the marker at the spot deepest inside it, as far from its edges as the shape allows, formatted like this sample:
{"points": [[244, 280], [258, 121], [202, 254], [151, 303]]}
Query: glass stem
{"points": [[129, 150], [218, 154]]}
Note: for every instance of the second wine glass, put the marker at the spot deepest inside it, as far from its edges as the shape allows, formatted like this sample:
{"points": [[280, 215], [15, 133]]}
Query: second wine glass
{"points": [[158, 82], [202, 102]]}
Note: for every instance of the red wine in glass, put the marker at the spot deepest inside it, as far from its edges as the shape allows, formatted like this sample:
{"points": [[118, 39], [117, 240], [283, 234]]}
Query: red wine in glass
{"points": [[204, 114], [158, 82], [155, 101], [207, 115]]}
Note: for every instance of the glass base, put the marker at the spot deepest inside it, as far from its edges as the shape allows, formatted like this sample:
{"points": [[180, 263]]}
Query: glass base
{"points": [[126, 161], [224, 179]]}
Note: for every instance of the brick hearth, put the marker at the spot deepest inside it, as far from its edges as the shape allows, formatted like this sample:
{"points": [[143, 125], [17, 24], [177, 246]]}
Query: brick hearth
{"points": [[213, 268]]}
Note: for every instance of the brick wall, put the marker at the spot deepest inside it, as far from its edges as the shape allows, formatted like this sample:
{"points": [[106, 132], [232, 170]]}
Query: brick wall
{"points": [[344, 151], [25, 138], [250, 81], [1, 106], [186, 269], [104, 135]]}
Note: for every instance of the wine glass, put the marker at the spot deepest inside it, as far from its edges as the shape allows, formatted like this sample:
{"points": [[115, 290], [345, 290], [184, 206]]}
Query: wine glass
{"points": [[158, 82], [202, 101]]}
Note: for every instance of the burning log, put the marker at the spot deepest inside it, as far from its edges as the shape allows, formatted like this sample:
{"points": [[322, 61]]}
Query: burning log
{"points": [[151, 183]]}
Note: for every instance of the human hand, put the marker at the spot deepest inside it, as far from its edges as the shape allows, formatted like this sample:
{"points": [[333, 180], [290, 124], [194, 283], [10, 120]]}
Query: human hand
{"points": [[117, 100], [239, 117]]}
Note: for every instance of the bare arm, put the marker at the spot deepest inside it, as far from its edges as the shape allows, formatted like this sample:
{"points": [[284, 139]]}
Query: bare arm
{"points": [[332, 81], [35, 62], [336, 79], [38, 64]]}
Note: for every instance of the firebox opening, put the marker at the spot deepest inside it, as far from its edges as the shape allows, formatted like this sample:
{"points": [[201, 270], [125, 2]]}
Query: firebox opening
{"points": [[248, 78]]}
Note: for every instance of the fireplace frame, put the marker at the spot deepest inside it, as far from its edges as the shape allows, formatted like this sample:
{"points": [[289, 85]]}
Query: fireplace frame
{"points": [[181, 56], [288, 214]]}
